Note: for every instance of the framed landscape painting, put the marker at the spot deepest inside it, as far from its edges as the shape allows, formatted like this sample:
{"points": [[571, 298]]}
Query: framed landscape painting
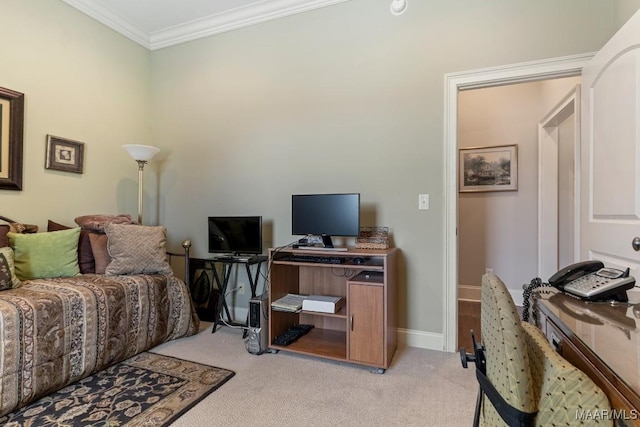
{"points": [[490, 168]]}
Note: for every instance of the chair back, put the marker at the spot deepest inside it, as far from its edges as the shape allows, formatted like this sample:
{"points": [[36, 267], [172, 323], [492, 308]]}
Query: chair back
{"points": [[563, 391], [528, 373], [506, 351]]}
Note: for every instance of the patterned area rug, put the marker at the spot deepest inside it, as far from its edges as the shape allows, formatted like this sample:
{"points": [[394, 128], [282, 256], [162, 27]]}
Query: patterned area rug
{"points": [[147, 390]]}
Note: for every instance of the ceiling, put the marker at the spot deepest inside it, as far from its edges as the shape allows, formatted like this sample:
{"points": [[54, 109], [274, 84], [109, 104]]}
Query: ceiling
{"points": [[156, 24]]}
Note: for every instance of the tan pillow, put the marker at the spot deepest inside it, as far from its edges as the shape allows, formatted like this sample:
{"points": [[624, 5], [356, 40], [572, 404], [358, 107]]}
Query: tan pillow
{"points": [[137, 249], [16, 227], [100, 253]]}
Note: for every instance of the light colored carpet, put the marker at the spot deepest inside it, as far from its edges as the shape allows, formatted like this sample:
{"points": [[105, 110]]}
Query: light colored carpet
{"points": [[420, 388]]}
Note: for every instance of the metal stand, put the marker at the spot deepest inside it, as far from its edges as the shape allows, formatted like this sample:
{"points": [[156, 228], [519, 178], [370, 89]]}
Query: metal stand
{"points": [[223, 282]]}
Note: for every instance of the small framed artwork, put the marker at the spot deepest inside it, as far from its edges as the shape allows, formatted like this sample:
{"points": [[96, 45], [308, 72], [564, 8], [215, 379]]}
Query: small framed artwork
{"points": [[64, 154], [491, 168]]}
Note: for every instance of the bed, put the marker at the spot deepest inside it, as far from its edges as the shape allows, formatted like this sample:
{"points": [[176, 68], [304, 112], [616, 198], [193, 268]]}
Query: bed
{"points": [[57, 329]]}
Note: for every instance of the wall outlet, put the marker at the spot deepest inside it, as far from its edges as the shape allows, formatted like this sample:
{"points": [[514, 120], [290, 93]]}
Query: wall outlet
{"points": [[241, 288], [423, 202]]}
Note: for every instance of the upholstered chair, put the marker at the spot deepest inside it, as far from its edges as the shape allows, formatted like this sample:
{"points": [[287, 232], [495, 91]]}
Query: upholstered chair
{"points": [[561, 389], [507, 360], [528, 374]]}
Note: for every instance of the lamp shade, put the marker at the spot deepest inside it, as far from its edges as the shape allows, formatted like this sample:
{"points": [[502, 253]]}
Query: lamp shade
{"points": [[141, 152]]}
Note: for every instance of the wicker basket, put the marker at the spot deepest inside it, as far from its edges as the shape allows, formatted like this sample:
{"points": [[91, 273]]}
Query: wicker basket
{"points": [[373, 238]]}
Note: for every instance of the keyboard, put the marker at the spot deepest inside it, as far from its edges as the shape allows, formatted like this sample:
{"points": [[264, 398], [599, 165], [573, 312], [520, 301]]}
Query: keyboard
{"points": [[316, 259], [292, 334], [235, 258]]}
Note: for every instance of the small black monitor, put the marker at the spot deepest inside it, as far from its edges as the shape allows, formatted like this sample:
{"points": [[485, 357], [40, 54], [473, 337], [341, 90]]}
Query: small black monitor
{"points": [[236, 235], [325, 215]]}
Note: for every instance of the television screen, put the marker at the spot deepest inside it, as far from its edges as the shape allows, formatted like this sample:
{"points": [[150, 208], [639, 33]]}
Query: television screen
{"points": [[235, 234], [325, 214]]}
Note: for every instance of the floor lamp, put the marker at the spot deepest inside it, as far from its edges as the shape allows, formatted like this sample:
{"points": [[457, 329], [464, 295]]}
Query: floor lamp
{"points": [[141, 154]]}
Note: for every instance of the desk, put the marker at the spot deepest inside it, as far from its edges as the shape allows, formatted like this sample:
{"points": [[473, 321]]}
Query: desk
{"points": [[223, 282], [601, 339]]}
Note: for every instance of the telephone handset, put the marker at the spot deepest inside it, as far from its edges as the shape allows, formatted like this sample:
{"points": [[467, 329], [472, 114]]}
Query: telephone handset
{"points": [[590, 280]]}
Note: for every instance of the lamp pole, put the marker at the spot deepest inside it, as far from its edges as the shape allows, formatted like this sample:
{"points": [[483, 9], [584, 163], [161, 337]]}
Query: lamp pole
{"points": [[141, 154], [141, 164]]}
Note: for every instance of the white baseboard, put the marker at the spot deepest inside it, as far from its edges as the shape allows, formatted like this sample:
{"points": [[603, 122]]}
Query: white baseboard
{"points": [[406, 337], [420, 339], [517, 297], [469, 293]]}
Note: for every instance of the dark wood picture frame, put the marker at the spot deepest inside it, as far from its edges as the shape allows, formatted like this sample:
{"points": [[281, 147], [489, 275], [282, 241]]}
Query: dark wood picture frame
{"points": [[64, 154], [488, 168], [11, 134]]}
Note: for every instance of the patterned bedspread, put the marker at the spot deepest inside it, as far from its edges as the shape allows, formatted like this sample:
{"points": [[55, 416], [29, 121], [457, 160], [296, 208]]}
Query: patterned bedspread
{"points": [[56, 331]]}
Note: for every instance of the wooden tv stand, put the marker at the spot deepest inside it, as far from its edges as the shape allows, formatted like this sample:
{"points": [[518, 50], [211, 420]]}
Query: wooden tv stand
{"points": [[364, 331]]}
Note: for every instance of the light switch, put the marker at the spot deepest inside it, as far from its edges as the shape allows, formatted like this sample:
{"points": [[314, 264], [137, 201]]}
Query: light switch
{"points": [[423, 202]]}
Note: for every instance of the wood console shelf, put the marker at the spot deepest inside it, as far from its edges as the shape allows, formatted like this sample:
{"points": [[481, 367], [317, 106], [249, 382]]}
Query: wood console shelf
{"points": [[364, 331]]}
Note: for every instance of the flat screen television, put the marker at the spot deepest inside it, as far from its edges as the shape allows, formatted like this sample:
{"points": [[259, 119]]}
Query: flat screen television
{"points": [[236, 235], [325, 215]]}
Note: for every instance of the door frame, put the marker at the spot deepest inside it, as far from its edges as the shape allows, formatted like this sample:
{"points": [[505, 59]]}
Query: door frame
{"points": [[496, 76], [548, 177]]}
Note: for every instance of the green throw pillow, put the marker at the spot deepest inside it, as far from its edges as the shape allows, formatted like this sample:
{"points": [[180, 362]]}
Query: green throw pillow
{"points": [[43, 255]]}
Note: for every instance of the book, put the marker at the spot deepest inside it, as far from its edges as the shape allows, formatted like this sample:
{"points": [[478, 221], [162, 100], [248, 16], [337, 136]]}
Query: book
{"points": [[289, 302], [322, 303]]}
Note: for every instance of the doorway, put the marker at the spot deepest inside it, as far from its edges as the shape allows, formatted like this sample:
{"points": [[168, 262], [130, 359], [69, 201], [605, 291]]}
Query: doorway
{"points": [[558, 182], [498, 230], [454, 83]]}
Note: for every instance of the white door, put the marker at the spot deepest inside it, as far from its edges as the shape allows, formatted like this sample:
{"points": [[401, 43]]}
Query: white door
{"points": [[610, 151], [558, 152]]}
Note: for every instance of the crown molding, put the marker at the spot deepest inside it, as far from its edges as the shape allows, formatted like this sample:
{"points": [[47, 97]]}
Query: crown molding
{"points": [[111, 20], [262, 11]]}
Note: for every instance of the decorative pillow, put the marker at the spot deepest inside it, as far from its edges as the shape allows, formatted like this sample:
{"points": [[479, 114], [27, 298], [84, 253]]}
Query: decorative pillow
{"points": [[4, 229], [17, 227], [137, 249], [41, 255], [86, 262], [8, 279], [100, 222], [100, 253]]}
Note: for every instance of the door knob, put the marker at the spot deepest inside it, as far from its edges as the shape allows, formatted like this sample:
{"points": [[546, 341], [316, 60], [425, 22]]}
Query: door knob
{"points": [[636, 244]]}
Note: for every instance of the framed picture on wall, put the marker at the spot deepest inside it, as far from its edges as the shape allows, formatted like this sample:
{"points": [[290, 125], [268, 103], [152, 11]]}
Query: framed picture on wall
{"points": [[11, 132], [64, 154], [489, 168]]}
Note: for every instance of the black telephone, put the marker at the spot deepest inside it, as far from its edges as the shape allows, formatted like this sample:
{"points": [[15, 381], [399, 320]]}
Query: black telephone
{"points": [[590, 280]]}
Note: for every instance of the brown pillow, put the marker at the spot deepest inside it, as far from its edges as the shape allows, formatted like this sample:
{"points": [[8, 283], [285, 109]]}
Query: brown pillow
{"points": [[4, 229], [137, 249], [86, 261], [99, 222], [100, 253]]}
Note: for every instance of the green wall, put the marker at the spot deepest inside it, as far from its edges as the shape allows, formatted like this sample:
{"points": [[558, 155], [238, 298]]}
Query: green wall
{"points": [[343, 98]]}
